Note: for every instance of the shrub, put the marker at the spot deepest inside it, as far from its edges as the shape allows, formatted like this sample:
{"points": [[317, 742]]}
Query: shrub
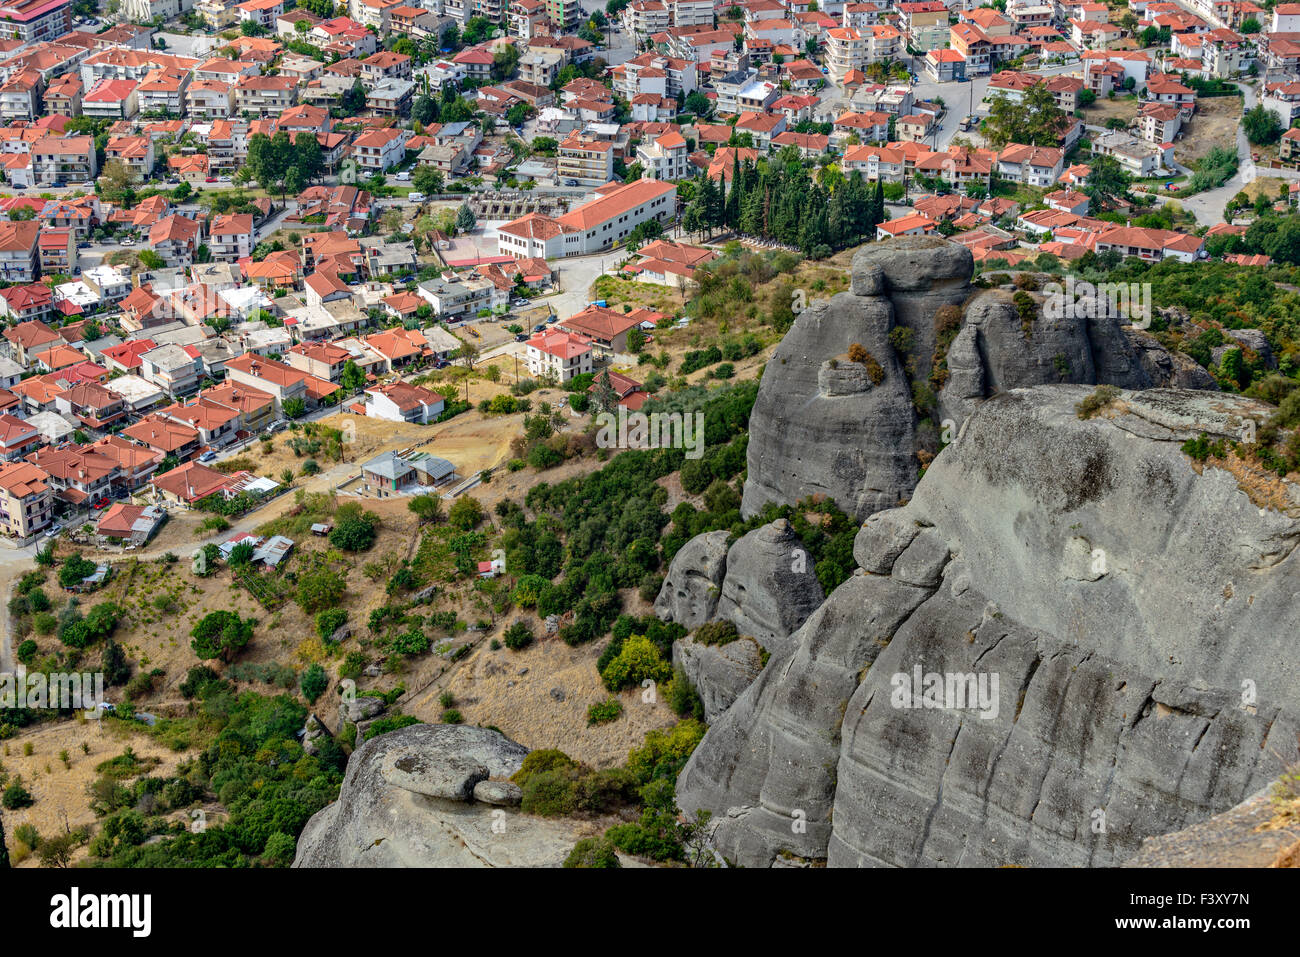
{"points": [[716, 633], [330, 620], [314, 682], [638, 660], [593, 852], [27, 650], [604, 712], [452, 716], [389, 723], [354, 528], [465, 513], [1101, 397], [17, 797], [319, 590], [683, 698], [517, 636], [221, 634]]}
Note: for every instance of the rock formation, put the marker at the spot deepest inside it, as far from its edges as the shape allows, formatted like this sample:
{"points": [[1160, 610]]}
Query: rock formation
{"points": [[771, 586], [718, 672], [822, 426], [1120, 617], [434, 796], [693, 585]]}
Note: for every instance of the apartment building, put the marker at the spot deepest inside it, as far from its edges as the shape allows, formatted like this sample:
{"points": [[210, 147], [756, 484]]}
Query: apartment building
{"points": [[593, 226], [62, 161], [19, 254], [230, 237], [264, 96], [666, 157], [558, 355], [380, 150], [586, 160], [26, 501]]}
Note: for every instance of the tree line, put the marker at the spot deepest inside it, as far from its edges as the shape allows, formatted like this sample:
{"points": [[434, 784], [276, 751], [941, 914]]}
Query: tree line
{"points": [[777, 199]]}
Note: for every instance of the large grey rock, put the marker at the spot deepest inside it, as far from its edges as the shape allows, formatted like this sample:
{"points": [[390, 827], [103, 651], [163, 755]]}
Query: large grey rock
{"points": [[820, 426], [693, 585], [718, 672], [501, 793], [771, 586], [359, 708], [378, 824], [1136, 609], [439, 774], [831, 432]]}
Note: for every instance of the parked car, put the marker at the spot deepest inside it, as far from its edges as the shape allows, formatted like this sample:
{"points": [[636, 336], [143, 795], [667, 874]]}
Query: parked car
{"points": [[570, 182], [540, 327], [522, 337], [404, 175], [207, 456], [520, 302], [415, 197], [53, 530], [210, 179], [128, 241]]}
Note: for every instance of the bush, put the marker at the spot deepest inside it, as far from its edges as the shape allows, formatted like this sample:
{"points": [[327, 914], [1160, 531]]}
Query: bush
{"points": [[518, 636], [452, 716], [638, 660], [604, 712], [27, 650], [593, 852], [16, 797], [716, 633], [221, 634], [683, 698], [465, 513], [74, 570], [1101, 397], [389, 723], [314, 682], [320, 590], [330, 620], [354, 528]]}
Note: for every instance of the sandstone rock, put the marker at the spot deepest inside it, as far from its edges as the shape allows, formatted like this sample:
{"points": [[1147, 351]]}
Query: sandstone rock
{"points": [[341, 633], [377, 824], [771, 585], [854, 447], [500, 793], [693, 585], [1120, 597], [359, 708], [448, 776], [1256, 341], [825, 429], [718, 672]]}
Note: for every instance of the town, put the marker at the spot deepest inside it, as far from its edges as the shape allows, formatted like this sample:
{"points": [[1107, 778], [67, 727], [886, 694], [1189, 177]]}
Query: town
{"points": [[223, 218]]}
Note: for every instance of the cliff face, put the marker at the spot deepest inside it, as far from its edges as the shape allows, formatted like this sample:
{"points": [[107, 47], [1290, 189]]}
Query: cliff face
{"points": [[821, 426], [1128, 616]]}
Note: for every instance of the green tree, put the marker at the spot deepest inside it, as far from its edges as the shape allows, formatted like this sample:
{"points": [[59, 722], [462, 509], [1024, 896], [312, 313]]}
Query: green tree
{"points": [[465, 513], [427, 180], [221, 634], [465, 219], [427, 508], [1261, 126], [319, 589]]}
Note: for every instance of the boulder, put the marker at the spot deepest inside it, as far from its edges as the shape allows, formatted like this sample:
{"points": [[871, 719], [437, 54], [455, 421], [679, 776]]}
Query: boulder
{"points": [[353, 709], [718, 672], [693, 585], [771, 586], [375, 823], [501, 793], [438, 774]]}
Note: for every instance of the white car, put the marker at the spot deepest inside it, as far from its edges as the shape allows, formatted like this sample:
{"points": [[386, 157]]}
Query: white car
{"points": [[404, 175], [415, 197], [128, 242]]}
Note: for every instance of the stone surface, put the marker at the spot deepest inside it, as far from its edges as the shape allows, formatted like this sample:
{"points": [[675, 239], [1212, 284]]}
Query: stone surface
{"points": [[718, 672], [821, 427], [438, 774], [693, 585], [1120, 596], [359, 708], [501, 793], [377, 824], [771, 585], [1245, 836]]}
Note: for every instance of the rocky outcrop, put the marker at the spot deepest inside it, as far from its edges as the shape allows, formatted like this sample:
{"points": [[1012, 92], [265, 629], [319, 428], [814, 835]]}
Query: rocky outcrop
{"points": [[718, 672], [771, 586], [1109, 626], [1248, 835], [693, 585], [822, 426], [434, 796]]}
